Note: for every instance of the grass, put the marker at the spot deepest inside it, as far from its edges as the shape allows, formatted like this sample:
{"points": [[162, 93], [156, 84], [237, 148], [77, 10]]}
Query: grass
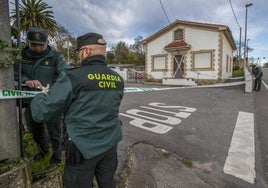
{"points": [[123, 177], [187, 162], [6, 165], [39, 168], [238, 73]]}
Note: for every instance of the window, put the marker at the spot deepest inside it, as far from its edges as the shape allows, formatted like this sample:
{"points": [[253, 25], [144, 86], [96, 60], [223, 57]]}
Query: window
{"points": [[159, 63], [203, 60], [178, 34], [231, 64], [227, 63]]}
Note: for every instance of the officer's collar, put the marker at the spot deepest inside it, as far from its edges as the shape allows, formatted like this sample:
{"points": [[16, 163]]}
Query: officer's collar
{"points": [[31, 54], [93, 59]]}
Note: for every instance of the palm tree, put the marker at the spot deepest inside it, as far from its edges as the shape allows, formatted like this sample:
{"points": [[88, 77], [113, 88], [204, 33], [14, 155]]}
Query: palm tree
{"points": [[35, 13]]}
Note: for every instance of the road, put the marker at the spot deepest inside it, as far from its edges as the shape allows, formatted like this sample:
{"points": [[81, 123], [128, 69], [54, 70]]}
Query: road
{"points": [[222, 130]]}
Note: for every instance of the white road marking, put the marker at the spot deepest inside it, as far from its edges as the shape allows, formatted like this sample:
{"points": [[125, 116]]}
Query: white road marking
{"points": [[177, 114], [165, 119], [149, 121], [153, 126], [240, 161], [180, 108], [265, 85]]}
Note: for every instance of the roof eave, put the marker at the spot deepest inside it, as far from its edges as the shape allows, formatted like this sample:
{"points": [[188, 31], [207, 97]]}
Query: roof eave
{"points": [[181, 48]]}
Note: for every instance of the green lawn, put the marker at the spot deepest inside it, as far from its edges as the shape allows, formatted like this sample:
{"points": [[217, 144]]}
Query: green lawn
{"points": [[238, 73]]}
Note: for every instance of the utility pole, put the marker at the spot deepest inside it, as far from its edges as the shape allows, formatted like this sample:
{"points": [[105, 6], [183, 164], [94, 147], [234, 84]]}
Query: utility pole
{"points": [[248, 76], [245, 41], [247, 49], [239, 53]]}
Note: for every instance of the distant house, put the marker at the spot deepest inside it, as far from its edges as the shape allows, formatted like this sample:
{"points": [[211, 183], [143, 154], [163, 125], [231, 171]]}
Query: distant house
{"points": [[187, 50]]}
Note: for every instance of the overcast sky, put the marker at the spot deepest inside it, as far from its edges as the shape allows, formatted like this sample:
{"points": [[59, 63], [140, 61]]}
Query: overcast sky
{"points": [[125, 20]]}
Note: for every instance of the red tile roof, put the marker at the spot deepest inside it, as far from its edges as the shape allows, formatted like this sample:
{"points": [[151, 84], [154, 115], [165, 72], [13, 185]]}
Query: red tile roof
{"points": [[177, 43]]}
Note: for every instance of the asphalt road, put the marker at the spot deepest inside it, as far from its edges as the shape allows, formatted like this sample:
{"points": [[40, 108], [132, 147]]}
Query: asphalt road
{"points": [[198, 124]]}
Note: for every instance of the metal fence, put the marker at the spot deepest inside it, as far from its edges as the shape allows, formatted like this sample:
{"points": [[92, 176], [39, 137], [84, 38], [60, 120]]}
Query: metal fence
{"points": [[135, 76]]}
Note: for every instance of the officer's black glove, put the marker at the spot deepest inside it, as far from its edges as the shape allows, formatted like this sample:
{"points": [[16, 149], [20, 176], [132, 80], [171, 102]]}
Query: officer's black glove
{"points": [[72, 154]]}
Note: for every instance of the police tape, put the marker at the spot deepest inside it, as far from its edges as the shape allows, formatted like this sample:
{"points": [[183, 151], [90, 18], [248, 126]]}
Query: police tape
{"points": [[13, 94]]}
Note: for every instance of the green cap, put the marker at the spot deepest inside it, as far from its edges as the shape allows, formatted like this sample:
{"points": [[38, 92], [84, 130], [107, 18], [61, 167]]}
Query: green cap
{"points": [[36, 35], [89, 39]]}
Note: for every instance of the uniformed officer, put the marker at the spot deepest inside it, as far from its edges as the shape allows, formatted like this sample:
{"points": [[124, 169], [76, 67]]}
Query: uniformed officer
{"points": [[41, 65], [90, 97], [257, 72]]}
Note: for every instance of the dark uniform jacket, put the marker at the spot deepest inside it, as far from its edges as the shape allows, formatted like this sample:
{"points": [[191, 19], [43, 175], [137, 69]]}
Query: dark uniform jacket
{"points": [[45, 67], [90, 97], [257, 72]]}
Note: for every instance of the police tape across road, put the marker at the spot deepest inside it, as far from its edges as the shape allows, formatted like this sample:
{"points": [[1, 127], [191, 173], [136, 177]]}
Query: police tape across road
{"points": [[14, 94]]}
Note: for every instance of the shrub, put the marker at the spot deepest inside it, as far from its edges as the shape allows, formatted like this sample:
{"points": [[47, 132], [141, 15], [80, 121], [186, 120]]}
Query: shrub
{"points": [[238, 73]]}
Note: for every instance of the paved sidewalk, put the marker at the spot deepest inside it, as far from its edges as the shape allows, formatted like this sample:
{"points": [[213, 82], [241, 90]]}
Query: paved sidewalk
{"points": [[152, 167]]}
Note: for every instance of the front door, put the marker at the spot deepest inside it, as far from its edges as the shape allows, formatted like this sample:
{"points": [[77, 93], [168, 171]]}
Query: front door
{"points": [[178, 66]]}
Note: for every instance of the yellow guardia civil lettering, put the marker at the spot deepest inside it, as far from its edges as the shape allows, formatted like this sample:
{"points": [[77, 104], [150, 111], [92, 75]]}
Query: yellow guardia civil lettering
{"points": [[104, 77], [105, 80], [105, 84]]}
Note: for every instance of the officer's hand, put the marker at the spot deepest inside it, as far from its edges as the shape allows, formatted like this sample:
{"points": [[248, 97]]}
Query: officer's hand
{"points": [[45, 89], [33, 83]]}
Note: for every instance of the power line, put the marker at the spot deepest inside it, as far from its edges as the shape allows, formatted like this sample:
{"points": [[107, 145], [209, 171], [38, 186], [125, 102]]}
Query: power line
{"points": [[234, 13], [171, 8], [240, 31], [164, 11]]}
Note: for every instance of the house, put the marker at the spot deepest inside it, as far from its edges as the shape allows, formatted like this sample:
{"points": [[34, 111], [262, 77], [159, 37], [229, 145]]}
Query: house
{"points": [[185, 51]]}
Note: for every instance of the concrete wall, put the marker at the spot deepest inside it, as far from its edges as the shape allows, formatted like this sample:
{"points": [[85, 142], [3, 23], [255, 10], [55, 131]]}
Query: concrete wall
{"points": [[121, 71]]}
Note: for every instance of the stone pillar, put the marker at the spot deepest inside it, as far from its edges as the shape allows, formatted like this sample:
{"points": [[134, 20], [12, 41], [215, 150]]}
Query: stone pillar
{"points": [[248, 80], [9, 128]]}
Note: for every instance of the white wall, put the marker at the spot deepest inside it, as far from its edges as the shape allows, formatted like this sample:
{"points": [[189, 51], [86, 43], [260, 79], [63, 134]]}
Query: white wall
{"points": [[202, 40], [227, 50], [122, 72], [199, 40], [156, 47]]}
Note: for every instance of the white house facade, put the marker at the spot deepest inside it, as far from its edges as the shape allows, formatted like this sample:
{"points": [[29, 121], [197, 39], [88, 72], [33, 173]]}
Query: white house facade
{"points": [[190, 50]]}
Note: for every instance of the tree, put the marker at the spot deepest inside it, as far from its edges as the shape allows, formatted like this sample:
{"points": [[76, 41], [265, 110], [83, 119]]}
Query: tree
{"points": [[236, 53], [9, 128], [110, 57], [121, 52], [137, 50], [137, 46], [35, 13], [66, 44]]}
